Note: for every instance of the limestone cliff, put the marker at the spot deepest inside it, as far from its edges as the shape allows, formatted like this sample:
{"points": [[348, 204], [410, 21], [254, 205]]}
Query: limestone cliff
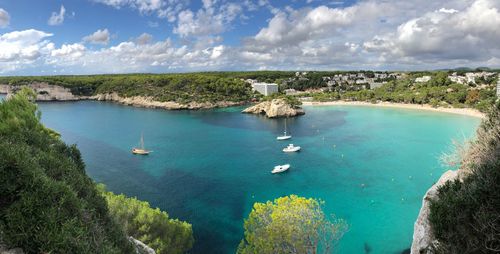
{"points": [[45, 92], [423, 237], [275, 108], [149, 102]]}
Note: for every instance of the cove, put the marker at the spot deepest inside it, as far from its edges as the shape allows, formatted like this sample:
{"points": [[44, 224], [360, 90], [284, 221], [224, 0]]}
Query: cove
{"points": [[370, 165]]}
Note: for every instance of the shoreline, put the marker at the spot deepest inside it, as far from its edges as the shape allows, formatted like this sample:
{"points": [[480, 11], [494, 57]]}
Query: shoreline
{"points": [[427, 107]]}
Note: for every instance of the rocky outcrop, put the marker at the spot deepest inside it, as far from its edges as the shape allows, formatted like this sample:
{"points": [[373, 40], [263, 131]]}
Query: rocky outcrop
{"points": [[275, 108], [140, 247], [149, 102], [423, 238], [5, 89], [45, 92]]}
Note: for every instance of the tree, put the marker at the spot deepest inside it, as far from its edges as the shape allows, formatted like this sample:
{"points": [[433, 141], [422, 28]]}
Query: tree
{"points": [[149, 225], [290, 224]]}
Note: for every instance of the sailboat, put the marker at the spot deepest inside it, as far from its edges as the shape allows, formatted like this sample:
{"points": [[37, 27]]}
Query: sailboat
{"points": [[140, 150], [284, 136]]}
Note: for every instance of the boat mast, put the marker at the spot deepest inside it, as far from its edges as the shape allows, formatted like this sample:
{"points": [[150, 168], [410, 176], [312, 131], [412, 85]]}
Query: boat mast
{"points": [[285, 126], [142, 141]]}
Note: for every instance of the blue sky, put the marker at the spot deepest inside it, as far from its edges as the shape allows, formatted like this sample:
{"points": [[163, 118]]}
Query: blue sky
{"points": [[123, 36]]}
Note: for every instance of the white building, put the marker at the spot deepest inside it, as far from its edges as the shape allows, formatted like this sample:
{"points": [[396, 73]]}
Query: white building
{"points": [[265, 88], [423, 79], [457, 79], [498, 87]]}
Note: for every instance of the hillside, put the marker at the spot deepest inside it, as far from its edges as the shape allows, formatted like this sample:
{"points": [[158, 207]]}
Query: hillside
{"points": [[49, 205], [461, 213]]}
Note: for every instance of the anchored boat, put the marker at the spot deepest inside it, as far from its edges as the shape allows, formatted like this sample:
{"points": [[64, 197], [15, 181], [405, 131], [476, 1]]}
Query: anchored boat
{"points": [[284, 136], [140, 150], [280, 168], [291, 148]]}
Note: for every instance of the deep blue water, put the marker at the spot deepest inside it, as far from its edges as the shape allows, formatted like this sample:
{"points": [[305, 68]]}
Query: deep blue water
{"points": [[370, 165]]}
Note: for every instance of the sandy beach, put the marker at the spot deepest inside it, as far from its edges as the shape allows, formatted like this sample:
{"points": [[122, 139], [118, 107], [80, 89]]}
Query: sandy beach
{"points": [[460, 111]]}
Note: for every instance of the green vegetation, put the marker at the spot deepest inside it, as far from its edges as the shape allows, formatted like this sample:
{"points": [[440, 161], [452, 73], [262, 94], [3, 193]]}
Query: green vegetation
{"points": [[290, 224], [439, 91], [49, 205], [229, 86], [150, 226], [290, 100], [182, 88], [466, 215]]}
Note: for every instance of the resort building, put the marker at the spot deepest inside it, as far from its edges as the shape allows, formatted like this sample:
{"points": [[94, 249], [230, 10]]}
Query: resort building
{"points": [[265, 88], [423, 79], [498, 88]]}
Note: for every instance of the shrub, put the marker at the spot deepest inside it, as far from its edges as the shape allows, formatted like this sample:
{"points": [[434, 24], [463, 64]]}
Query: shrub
{"points": [[151, 226], [47, 202], [465, 217]]}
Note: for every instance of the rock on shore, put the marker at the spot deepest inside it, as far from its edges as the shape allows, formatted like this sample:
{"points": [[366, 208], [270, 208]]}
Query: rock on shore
{"points": [[423, 238], [275, 108], [149, 102]]}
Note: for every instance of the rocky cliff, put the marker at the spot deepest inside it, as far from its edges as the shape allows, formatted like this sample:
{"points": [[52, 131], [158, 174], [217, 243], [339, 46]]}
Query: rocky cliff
{"points": [[45, 92], [4, 89], [423, 237], [275, 108], [149, 102]]}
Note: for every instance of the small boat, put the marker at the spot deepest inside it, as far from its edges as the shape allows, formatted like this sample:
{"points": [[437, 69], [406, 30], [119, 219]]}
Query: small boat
{"points": [[284, 136], [280, 168], [141, 150], [291, 148]]}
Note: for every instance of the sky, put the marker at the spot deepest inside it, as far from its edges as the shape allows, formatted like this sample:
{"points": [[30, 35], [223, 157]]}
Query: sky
{"points": [[47, 37]]}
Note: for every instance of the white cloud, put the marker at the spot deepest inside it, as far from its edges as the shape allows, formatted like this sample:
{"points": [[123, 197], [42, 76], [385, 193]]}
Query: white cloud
{"points": [[444, 10], [470, 34], [144, 38], [4, 18], [163, 8], [98, 37], [57, 18], [20, 48], [207, 21], [74, 50], [370, 34]]}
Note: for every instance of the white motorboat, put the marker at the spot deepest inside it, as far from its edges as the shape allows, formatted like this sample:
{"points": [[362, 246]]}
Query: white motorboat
{"points": [[280, 168], [291, 148], [284, 136]]}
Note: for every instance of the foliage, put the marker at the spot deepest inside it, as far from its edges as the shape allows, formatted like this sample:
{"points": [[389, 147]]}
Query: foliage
{"points": [[150, 226], [47, 203], [182, 88], [465, 217], [290, 224], [438, 91], [290, 100]]}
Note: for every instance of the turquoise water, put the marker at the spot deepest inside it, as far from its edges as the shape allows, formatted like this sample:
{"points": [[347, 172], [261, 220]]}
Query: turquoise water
{"points": [[370, 165]]}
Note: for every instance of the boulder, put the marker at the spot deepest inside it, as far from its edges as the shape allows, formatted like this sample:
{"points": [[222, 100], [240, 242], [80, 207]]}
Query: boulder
{"points": [[274, 109]]}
